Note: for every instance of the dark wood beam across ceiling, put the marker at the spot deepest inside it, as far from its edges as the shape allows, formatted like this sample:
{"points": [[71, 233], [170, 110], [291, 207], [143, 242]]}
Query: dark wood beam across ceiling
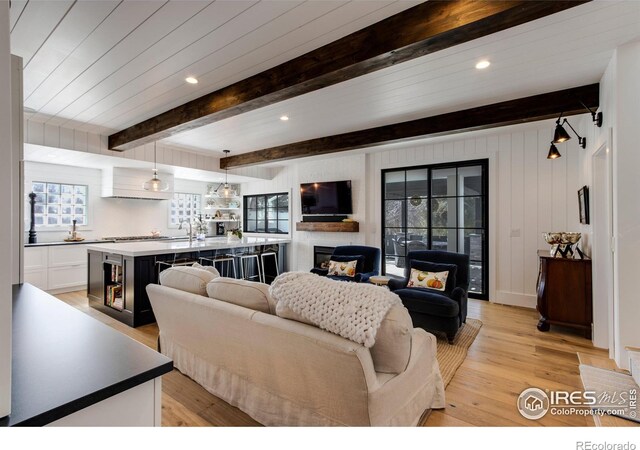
{"points": [[522, 110], [426, 28]]}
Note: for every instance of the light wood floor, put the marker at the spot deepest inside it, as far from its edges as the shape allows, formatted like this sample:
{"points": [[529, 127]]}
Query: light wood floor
{"points": [[508, 355]]}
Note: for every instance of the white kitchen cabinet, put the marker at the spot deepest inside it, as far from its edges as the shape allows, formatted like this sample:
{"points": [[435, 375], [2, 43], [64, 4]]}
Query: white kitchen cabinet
{"points": [[37, 277], [56, 268], [36, 265]]}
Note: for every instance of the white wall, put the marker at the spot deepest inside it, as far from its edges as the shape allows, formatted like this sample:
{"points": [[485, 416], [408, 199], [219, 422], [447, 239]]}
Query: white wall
{"points": [[289, 178], [6, 195], [620, 104], [528, 196], [626, 220], [107, 216], [54, 136]]}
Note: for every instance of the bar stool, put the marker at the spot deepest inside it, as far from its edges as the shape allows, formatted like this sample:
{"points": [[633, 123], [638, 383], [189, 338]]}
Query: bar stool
{"points": [[246, 257], [222, 259], [266, 254], [162, 265]]}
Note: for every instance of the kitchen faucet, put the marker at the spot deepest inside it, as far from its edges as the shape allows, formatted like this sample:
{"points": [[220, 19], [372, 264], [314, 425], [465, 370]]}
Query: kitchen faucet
{"points": [[190, 229]]}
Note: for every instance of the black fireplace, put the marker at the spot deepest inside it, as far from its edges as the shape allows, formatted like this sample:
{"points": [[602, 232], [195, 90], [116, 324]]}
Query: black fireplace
{"points": [[321, 256]]}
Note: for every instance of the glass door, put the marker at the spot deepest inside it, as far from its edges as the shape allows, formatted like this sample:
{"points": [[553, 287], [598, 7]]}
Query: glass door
{"points": [[441, 207]]}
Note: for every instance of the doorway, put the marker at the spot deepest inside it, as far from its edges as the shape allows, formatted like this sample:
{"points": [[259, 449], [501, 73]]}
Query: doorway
{"points": [[602, 249]]}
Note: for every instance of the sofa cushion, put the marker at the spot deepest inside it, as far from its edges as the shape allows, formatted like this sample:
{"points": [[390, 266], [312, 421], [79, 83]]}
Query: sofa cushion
{"points": [[188, 279], [427, 266], [211, 269], [248, 294], [428, 301], [392, 349]]}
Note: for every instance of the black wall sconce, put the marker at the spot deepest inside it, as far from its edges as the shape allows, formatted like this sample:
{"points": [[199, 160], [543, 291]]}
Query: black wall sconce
{"points": [[561, 135], [553, 152]]}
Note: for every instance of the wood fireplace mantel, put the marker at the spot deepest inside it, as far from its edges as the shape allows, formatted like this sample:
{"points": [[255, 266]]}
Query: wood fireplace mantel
{"points": [[337, 227]]}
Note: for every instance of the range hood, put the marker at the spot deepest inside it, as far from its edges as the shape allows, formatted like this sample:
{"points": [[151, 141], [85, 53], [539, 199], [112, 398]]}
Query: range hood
{"points": [[122, 182]]}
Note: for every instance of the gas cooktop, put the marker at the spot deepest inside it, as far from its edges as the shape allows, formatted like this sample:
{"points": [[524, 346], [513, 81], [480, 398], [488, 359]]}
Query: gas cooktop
{"points": [[134, 238]]}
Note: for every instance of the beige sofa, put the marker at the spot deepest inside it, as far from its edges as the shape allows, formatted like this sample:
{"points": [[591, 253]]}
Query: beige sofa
{"points": [[282, 372]]}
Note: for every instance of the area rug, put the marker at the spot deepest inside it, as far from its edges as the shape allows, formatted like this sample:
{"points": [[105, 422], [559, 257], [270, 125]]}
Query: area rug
{"points": [[451, 356], [608, 386]]}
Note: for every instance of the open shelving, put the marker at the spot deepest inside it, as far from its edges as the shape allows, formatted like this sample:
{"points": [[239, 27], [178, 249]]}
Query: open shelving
{"points": [[113, 286]]}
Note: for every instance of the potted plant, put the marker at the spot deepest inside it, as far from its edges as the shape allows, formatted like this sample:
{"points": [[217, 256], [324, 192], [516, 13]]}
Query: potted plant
{"points": [[234, 235]]}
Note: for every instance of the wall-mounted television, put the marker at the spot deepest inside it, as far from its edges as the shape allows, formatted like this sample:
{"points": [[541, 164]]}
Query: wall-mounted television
{"points": [[333, 197]]}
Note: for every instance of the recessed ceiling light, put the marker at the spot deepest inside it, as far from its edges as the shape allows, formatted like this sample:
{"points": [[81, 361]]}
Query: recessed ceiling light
{"points": [[284, 118], [191, 80], [483, 64]]}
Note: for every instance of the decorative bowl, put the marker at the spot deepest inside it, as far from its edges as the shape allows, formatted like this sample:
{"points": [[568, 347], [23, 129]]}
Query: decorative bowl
{"points": [[553, 238], [571, 237], [562, 237]]}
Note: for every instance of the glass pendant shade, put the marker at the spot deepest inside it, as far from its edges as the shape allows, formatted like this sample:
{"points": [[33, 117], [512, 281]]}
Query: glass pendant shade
{"points": [[155, 184], [553, 152], [560, 135], [226, 192]]}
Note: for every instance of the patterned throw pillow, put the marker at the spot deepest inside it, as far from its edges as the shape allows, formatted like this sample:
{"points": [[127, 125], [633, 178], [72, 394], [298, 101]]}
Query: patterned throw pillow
{"points": [[343, 268], [430, 280]]}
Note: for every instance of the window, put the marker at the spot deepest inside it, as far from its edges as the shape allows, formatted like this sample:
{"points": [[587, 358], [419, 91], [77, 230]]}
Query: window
{"points": [[267, 213], [59, 204], [184, 207], [440, 207]]}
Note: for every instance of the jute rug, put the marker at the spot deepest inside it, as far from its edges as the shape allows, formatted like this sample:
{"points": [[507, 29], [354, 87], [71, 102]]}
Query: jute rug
{"points": [[451, 356]]}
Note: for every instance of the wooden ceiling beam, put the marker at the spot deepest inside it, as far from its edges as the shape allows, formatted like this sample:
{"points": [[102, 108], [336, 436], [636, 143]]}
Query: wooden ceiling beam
{"points": [[426, 28], [522, 110]]}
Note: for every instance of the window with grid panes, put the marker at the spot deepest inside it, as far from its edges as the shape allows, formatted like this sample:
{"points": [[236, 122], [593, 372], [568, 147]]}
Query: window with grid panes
{"points": [[184, 207], [266, 213], [58, 204]]}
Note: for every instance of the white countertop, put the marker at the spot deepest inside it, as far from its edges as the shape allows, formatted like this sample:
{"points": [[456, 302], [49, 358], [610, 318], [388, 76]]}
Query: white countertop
{"points": [[163, 247]]}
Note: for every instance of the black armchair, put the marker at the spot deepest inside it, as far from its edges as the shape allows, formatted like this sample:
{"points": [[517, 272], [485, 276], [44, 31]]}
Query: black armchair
{"points": [[368, 265], [434, 310]]}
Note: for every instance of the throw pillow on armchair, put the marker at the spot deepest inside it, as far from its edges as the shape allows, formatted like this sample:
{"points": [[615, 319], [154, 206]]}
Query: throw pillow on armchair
{"points": [[425, 266]]}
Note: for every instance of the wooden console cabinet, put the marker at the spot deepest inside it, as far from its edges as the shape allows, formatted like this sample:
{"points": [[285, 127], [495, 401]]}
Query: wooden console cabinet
{"points": [[564, 293]]}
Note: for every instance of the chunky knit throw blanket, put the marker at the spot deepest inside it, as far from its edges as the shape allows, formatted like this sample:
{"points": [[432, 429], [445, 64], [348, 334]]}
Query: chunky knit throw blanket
{"points": [[351, 310]]}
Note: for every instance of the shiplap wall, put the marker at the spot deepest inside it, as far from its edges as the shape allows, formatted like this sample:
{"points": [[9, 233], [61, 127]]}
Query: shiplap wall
{"points": [[528, 195], [289, 178], [40, 133]]}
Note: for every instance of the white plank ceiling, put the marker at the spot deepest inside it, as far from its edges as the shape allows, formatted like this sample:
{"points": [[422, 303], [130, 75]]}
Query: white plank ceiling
{"points": [[110, 64], [102, 66]]}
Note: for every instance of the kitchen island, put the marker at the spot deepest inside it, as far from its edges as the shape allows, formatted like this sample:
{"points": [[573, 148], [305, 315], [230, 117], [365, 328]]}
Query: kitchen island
{"points": [[118, 273]]}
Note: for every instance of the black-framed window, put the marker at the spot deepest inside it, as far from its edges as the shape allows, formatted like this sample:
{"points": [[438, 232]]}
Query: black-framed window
{"points": [[439, 207], [266, 213]]}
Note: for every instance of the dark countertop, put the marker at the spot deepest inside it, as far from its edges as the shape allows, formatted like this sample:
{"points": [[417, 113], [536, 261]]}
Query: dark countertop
{"points": [[64, 360]]}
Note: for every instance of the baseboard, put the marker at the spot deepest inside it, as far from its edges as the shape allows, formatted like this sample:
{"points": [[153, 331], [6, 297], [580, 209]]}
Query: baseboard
{"points": [[64, 290], [515, 299]]}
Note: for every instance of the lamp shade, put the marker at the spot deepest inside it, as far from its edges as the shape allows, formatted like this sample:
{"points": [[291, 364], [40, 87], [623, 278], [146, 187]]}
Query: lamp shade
{"points": [[553, 152], [226, 192], [560, 135], [155, 184]]}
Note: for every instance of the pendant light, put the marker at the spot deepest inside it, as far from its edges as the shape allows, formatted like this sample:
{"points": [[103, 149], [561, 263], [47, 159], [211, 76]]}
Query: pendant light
{"points": [[155, 184], [226, 191]]}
